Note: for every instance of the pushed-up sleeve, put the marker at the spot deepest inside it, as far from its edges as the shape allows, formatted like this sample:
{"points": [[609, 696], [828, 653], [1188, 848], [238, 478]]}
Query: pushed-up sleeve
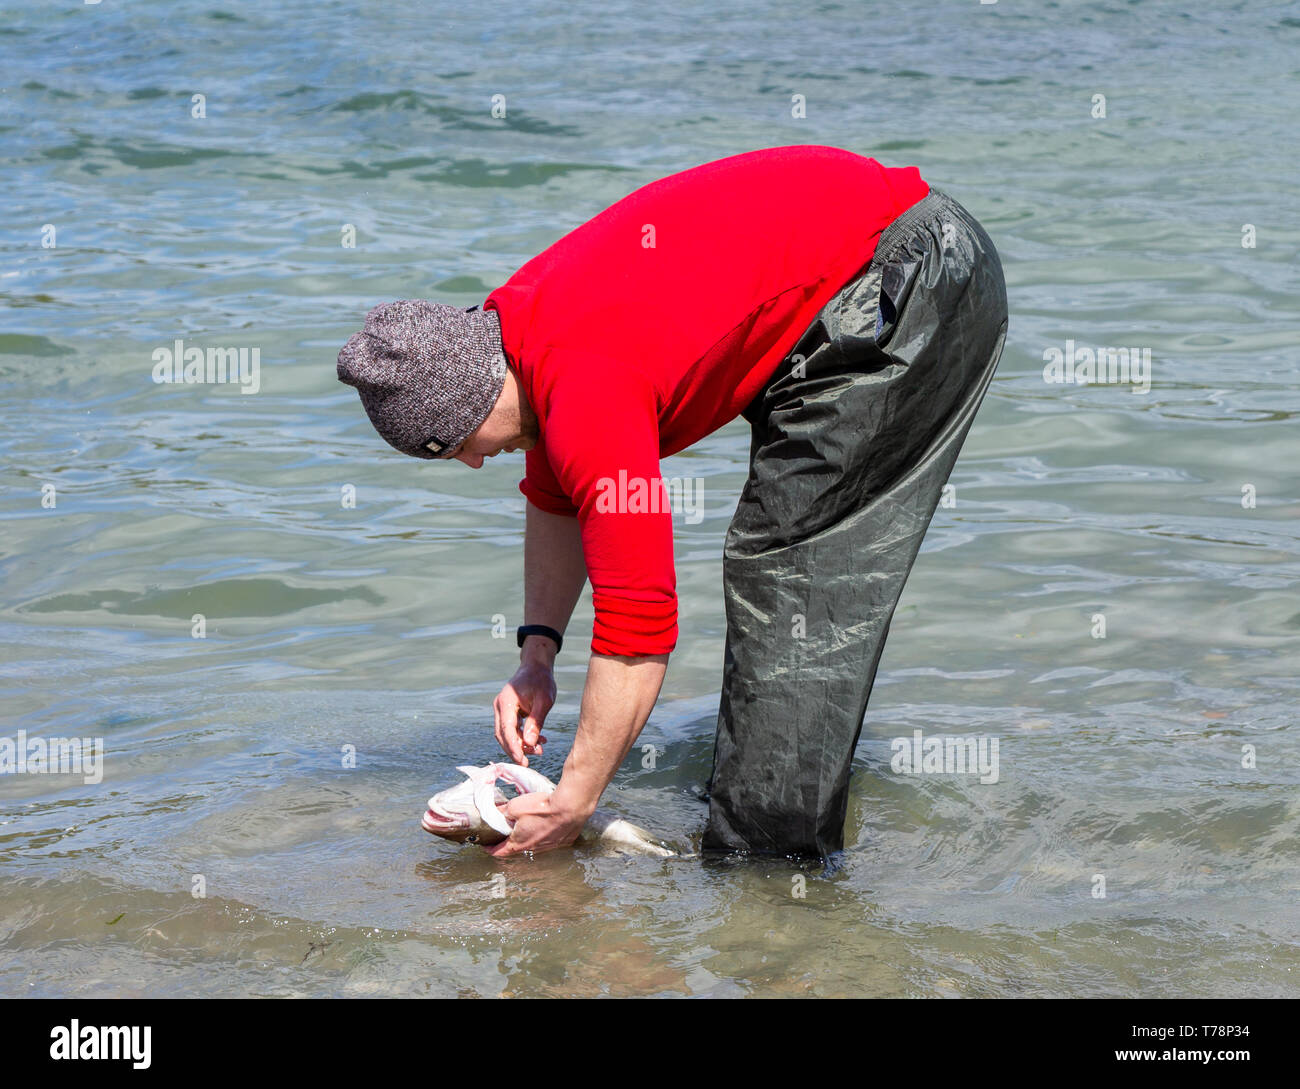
{"points": [[539, 485], [602, 449]]}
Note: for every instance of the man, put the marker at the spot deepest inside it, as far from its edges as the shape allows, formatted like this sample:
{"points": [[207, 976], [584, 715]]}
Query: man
{"points": [[853, 315]]}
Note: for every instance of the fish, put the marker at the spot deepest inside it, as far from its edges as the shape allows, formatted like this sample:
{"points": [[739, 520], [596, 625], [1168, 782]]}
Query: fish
{"points": [[468, 813]]}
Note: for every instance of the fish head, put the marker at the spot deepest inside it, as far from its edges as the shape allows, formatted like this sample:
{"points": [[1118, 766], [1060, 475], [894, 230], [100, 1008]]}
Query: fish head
{"points": [[454, 813]]}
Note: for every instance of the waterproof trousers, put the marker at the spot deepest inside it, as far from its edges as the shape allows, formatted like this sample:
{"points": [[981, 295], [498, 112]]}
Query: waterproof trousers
{"points": [[853, 439]]}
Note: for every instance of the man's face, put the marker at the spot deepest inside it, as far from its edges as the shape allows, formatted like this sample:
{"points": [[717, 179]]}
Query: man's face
{"points": [[489, 439], [510, 426]]}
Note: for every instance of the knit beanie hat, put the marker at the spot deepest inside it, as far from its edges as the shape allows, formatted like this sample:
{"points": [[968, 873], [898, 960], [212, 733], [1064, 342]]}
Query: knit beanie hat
{"points": [[428, 373]]}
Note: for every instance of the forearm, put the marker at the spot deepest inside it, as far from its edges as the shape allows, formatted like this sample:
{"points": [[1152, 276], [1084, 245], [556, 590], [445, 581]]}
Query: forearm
{"points": [[619, 696], [554, 575]]}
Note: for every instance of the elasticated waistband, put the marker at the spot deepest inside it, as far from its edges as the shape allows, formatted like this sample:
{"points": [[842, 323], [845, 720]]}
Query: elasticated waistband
{"points": [[926, 210]]}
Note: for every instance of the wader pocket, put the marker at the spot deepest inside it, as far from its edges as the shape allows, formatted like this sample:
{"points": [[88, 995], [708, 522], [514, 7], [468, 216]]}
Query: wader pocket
{"points": [[895, 285]]}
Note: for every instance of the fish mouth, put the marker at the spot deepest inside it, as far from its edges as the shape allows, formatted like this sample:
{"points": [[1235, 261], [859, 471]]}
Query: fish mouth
{"points": [[472, 811], [442, 823]]}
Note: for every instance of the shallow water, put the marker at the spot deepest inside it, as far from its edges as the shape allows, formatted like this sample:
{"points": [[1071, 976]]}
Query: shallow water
{"points": [[372, 627]]}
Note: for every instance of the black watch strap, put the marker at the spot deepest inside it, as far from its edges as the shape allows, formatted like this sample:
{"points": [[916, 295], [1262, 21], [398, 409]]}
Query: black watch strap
{"points": [[540, 629]]}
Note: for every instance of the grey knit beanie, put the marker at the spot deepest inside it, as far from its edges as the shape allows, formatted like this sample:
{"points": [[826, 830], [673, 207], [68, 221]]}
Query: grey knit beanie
{"points": [[428, 373]]}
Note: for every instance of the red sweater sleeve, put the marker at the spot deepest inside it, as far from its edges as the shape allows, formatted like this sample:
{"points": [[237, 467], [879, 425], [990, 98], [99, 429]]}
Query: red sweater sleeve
{"points": [[601, 451], [540, 486]]}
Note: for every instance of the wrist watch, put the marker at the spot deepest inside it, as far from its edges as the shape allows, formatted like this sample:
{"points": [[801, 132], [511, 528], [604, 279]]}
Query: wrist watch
{"points": [[540, 629]]}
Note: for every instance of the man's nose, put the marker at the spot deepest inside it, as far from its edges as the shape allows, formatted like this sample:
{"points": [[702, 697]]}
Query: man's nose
{"points": [[474, 461]]}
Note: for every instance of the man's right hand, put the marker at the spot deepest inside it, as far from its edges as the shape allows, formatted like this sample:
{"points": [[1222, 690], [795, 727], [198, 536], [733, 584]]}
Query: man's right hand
{"points": [[530, 693]]}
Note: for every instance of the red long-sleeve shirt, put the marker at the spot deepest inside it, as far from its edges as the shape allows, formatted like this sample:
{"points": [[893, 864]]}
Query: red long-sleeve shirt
{"points": [[658, 321]]}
